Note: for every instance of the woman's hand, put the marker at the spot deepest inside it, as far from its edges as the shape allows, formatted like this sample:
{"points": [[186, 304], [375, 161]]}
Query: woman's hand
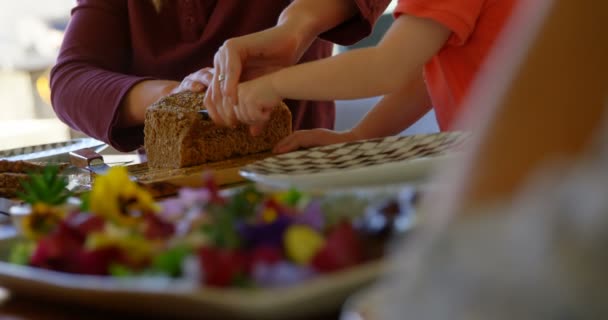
{"points": [[197, 81], [249, 57], [313, 138]]}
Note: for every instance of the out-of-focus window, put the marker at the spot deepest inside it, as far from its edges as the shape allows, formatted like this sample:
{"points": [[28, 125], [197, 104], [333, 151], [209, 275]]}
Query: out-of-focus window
{"points": [[30, 35]]}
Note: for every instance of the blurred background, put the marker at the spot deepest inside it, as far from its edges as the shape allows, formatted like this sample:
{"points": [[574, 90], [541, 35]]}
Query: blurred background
{"points": [[30, 36]]}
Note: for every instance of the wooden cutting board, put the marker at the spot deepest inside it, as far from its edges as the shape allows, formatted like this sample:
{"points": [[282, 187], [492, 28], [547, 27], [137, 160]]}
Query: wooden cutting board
{"points": [[163, 182]]}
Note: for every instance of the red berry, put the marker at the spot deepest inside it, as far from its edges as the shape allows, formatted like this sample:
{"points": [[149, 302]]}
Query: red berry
{"points": [[84, 223], [342, 249], [52, 251], [95, 262], [221, 266], [264, 254]]}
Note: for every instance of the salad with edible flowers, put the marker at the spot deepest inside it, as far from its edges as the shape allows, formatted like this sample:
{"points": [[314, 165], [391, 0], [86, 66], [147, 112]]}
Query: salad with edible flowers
{"points": [[244, 238]]}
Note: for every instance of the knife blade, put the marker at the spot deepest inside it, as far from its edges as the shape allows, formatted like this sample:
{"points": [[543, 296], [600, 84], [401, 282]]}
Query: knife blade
{"points": [[90, 160]]}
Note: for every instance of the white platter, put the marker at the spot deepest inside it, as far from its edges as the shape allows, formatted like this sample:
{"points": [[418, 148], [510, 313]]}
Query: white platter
{"points": [[369, 162]]}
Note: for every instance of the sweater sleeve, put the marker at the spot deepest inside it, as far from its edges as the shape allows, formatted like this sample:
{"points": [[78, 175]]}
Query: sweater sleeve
{"points": [[90, 78], [359, 26]]}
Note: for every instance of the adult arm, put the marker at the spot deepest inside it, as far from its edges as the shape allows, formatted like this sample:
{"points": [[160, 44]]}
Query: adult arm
{"points": [[247, 57], [91, 90]]}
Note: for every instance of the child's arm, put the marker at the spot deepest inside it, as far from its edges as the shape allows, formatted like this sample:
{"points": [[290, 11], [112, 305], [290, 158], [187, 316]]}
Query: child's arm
{"points": [[394, 113], [406, 47]]}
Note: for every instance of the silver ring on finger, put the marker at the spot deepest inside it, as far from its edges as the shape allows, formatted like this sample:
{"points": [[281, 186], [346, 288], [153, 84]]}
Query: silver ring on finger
{"points": [[221, 78]]}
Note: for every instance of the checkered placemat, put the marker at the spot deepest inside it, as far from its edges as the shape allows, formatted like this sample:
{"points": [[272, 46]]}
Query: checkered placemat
{"points": [[358, 154]]}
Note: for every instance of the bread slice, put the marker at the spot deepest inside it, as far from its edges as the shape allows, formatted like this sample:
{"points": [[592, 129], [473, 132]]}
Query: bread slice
{"points": [[177, 136], [12, 173], [20, 166]]}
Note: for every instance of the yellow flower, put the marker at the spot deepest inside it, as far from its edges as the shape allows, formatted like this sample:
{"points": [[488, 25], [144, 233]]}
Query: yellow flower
{"points": [[302, 243], [42, 220], [117, 198]]}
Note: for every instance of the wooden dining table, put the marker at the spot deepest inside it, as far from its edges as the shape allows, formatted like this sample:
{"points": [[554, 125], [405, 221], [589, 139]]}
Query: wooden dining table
{"points": [[26, 308]]}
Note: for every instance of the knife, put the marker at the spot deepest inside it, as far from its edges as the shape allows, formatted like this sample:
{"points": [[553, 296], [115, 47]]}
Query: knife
{"points": [[90, 160], [205, 114]]}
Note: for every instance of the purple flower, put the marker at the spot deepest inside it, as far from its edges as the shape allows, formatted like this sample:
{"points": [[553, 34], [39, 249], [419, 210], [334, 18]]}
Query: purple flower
{"points": [[192, 196], [270, 234], [312, 216], [172, 209]]}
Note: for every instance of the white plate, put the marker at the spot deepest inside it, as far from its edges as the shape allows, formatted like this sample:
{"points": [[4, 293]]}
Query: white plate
{"points": [[369, 162], [51, 152], [175, 299]]}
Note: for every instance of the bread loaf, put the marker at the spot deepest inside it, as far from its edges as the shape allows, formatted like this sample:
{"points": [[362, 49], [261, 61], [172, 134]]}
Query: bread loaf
{"points": [[177, 135], [12, 173]]}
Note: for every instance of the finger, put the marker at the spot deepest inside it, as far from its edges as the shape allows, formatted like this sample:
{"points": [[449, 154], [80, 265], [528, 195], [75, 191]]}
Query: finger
{"points": [[204, 77], [232, 66], [215, 95], [288, 144], [228, 111], [256, 129], [207, 78], [195, 86], [247, 112], [244, 107], [239, 114], [260, 114], [215, 117]]}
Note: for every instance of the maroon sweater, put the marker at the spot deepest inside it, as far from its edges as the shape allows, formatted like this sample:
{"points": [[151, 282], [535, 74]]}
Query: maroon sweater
{"points": [[110, 45]]}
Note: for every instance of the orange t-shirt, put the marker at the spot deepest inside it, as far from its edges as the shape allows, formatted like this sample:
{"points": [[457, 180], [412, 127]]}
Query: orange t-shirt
{"points": [[475, 25]]}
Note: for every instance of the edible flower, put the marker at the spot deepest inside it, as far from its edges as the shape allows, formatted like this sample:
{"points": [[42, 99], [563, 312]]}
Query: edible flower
{"points": [[302, 243], [290, 197], [137, 248], [42, 220], [119, 199], [269, 215]]}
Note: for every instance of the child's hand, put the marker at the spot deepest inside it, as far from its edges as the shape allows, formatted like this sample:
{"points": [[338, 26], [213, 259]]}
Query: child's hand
{"points": [[312, 138], [257, 99]]}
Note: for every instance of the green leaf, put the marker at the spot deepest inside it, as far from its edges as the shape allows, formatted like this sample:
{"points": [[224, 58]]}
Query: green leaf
{"points": [[85, 202], [243, 203], [21, 253], [121, 271], [170, 261], [292, 197], [222, 231], [46, 186]]}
